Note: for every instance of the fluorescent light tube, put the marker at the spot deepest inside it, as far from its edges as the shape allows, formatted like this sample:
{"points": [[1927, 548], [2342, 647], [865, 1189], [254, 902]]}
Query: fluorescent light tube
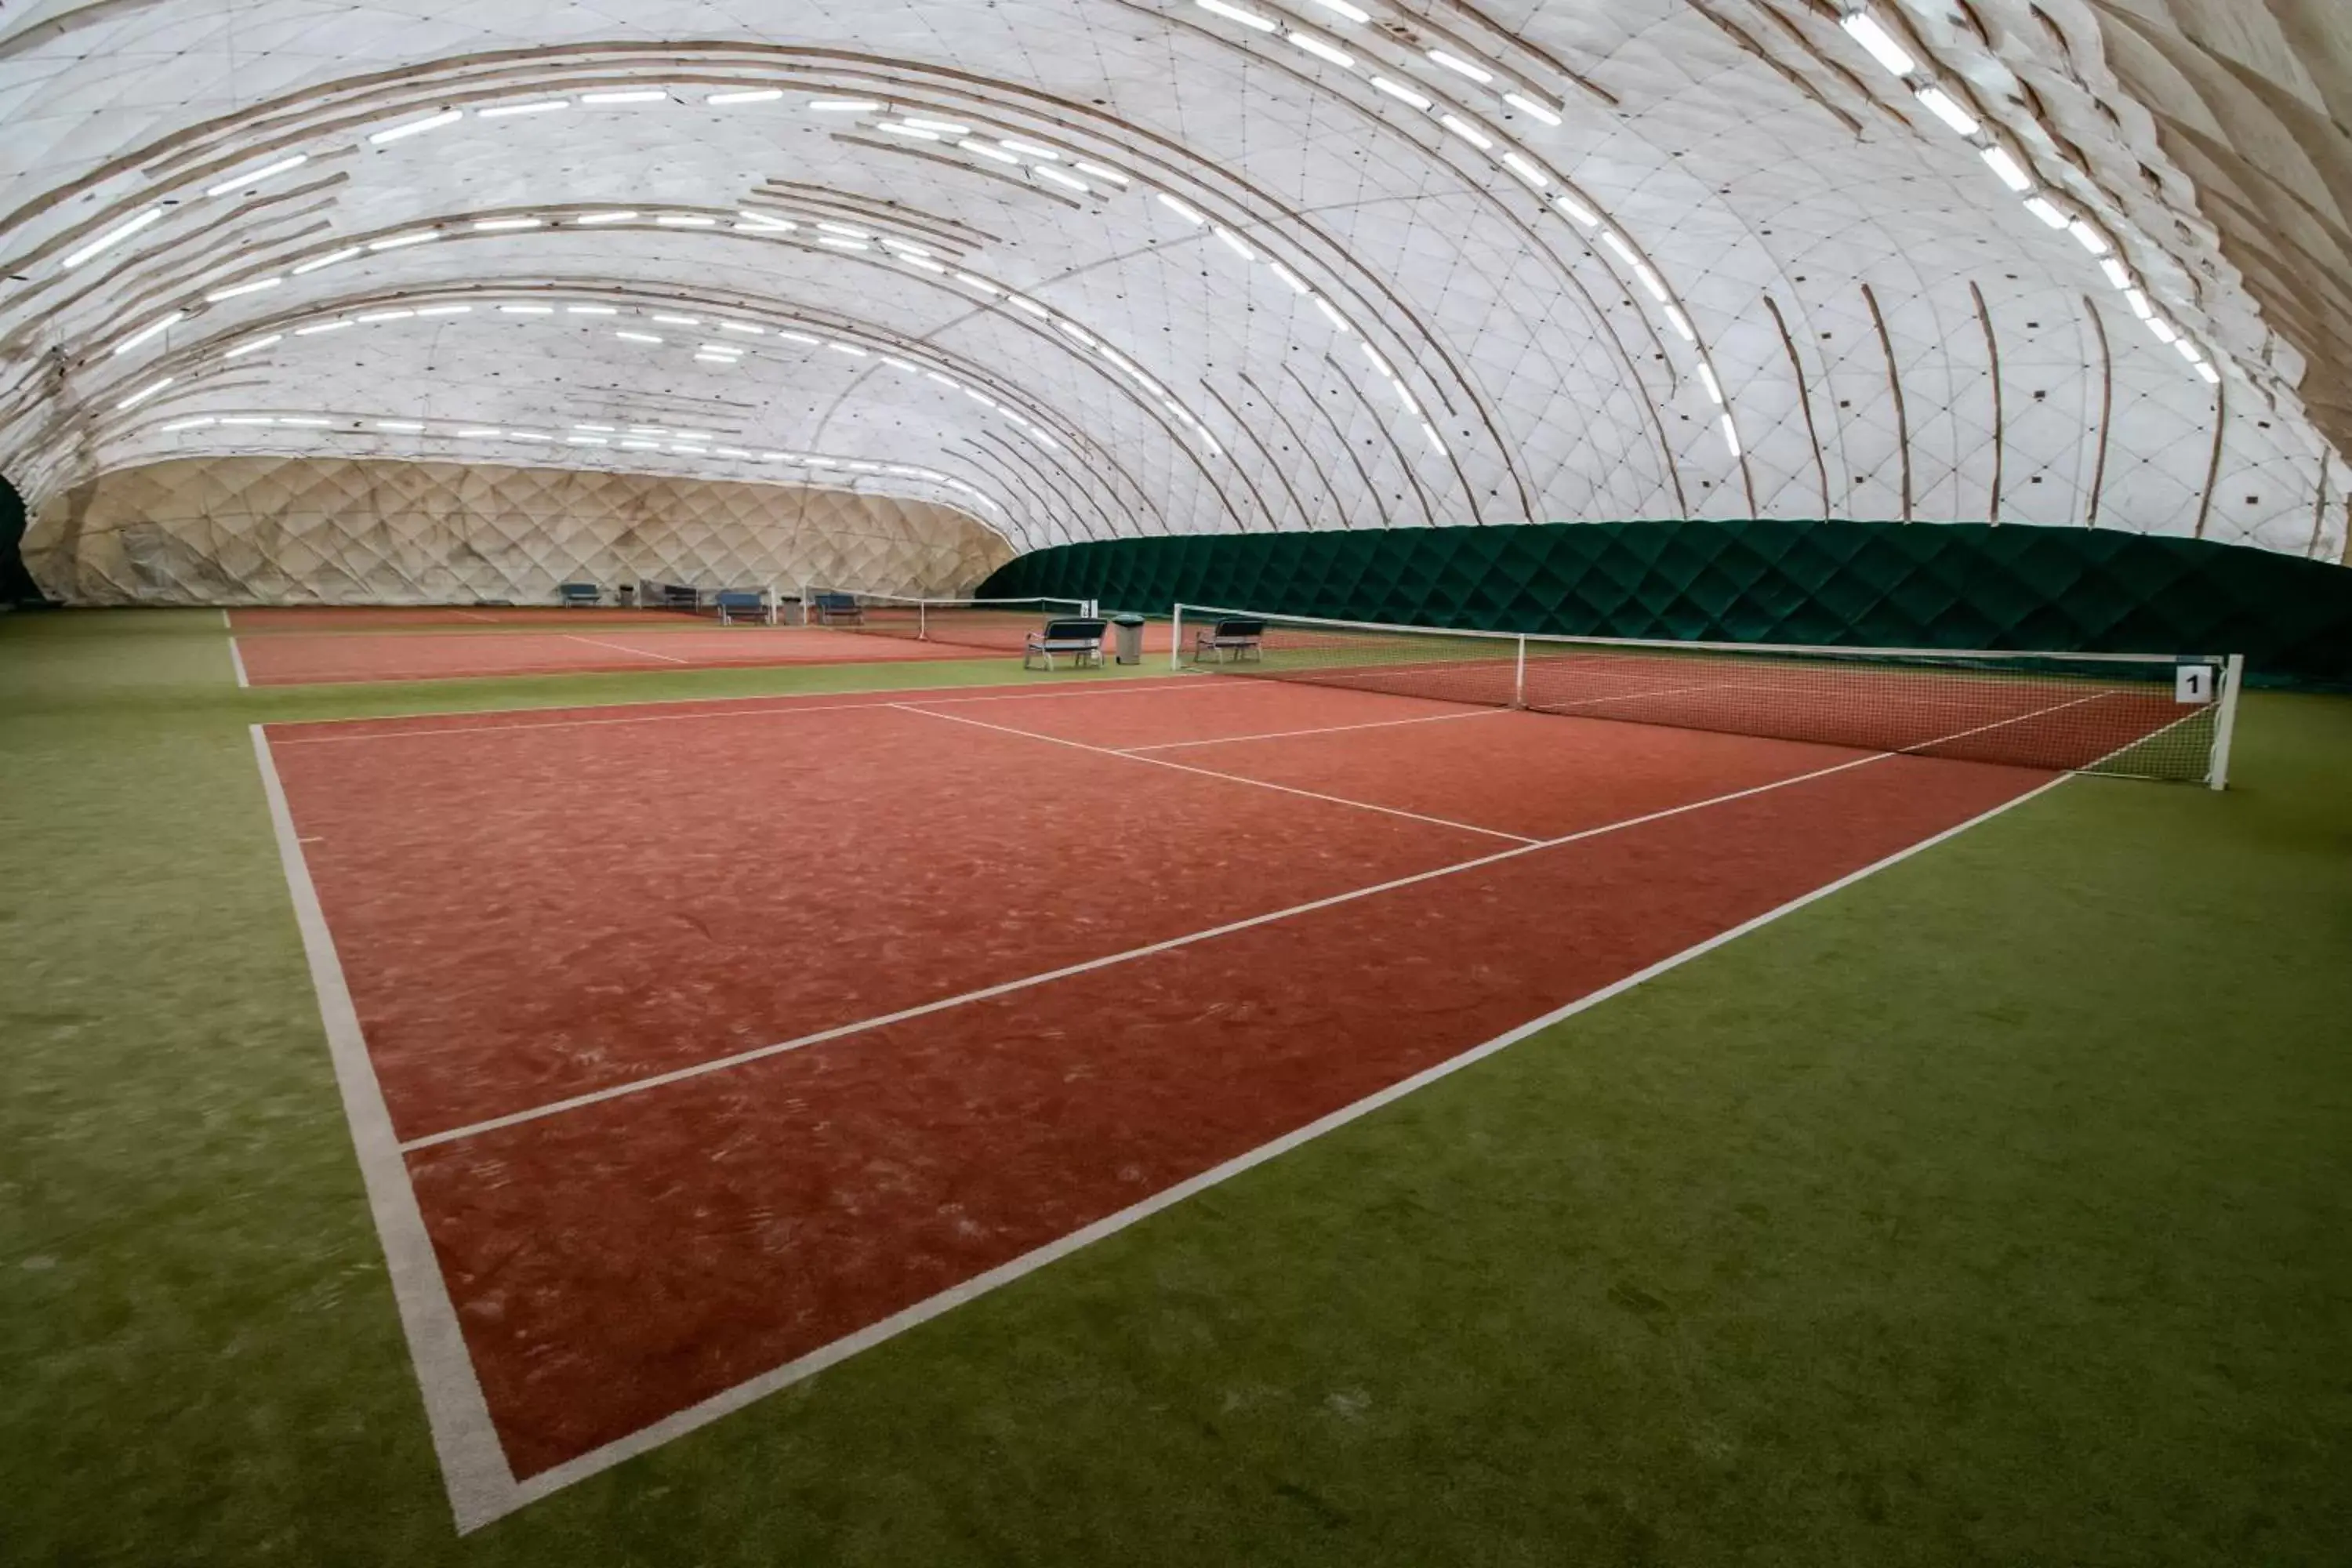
{"points": [[633, 95], [256, 176], [686, 220], [843, 106], [320, 329], [1526, 169], [749, 95], [2047, 211], [1576, 210], [416, 127], [590, 220], [1180, 209], [1946, 108], [248, 347], [1468, 132], [636, 336], [1461, 67], [497, 224], [1233, 242], [1323, 49], [1235, 12], [113, 237], [145, 393], [403, 241], [2006, 167], [1528, 106], [330, 259], [1865, 31], [256, 286], [542, 106], [1400, 92]]}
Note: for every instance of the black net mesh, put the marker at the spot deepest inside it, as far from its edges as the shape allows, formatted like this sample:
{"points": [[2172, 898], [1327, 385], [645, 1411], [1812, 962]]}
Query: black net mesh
{"points": [[2142, 716]]}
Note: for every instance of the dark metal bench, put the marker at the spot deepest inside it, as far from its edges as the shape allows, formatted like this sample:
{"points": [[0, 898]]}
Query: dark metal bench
{"points": [[838, 610], [1232, 639], [1078, 639], [579, 595], [745, 603]]}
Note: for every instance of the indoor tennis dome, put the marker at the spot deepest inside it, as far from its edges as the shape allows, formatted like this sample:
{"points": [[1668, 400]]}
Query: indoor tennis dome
{"points": [[434, 300], [1175, 783]]}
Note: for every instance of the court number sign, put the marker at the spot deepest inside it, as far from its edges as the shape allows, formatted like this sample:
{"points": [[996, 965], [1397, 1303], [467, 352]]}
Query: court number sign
{"points": [[2194, 684]]}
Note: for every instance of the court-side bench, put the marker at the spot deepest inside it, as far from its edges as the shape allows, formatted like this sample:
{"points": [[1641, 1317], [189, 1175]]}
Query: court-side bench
{"points": [[1230, 640], [1079, 640]]}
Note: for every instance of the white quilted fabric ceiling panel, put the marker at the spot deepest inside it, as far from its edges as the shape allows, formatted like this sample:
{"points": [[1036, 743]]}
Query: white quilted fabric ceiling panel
{"points": [[1095, 268]]}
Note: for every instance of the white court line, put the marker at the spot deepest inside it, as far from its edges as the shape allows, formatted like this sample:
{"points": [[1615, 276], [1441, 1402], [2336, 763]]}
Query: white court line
{"points": [[474, 1467], [623, 647], [1326, 729], [1213, 773], [236, 660], [226, 624], [670, 1427], [739, 708], [1006, 988]]}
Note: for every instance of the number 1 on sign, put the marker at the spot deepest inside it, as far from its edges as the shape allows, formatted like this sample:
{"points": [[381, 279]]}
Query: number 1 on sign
{"points": [[2193, 684]]}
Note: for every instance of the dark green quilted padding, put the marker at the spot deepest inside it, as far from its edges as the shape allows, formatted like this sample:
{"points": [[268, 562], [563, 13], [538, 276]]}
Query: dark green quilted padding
{"points": [[1872, 584]]}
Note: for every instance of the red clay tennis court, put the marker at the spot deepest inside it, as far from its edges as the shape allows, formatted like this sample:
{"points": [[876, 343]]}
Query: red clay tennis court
{"points": [[714, 1042], [331, 646]]}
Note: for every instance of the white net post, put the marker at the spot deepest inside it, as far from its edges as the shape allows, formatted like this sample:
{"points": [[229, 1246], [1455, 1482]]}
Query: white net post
{"points": [[2225, 725], [1519, 675], [922, 620], [1176, 641]]}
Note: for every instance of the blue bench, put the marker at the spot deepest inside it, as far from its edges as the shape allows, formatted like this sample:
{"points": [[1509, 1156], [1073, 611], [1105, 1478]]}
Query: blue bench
{"points": [[745, 603], [838, 610], [1078, 639], [579, 595]]}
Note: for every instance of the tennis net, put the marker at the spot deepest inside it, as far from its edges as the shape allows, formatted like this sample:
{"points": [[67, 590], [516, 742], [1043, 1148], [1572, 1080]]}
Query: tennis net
{"points": [[2134, 715], [996, 624]]}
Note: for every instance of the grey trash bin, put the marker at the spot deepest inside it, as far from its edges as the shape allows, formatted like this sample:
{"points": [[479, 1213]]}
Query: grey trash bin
{"points": [[1127, 638]]}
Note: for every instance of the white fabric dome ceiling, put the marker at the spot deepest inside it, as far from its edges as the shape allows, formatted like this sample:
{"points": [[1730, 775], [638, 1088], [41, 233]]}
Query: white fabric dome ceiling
{"points": [[1094, 269]]}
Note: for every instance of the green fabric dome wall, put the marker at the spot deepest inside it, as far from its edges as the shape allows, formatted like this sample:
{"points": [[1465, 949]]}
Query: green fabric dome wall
{"points": [[1882, 585]]}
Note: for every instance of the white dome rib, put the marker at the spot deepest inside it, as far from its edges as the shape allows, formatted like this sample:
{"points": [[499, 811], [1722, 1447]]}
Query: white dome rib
{"points": [[1101, 269]]}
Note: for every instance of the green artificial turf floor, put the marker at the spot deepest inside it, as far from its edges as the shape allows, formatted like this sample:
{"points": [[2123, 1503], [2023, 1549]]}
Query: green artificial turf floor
{"points": [[1995, 1210]]}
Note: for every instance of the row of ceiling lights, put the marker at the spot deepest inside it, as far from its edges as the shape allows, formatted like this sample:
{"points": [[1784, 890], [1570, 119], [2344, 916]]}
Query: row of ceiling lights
{"points": [[1882, 45]]}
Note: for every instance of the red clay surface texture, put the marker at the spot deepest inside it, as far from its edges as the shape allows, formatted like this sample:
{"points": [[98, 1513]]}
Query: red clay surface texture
{"points": [[379, 618], [302, 659], [529, 911]]}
